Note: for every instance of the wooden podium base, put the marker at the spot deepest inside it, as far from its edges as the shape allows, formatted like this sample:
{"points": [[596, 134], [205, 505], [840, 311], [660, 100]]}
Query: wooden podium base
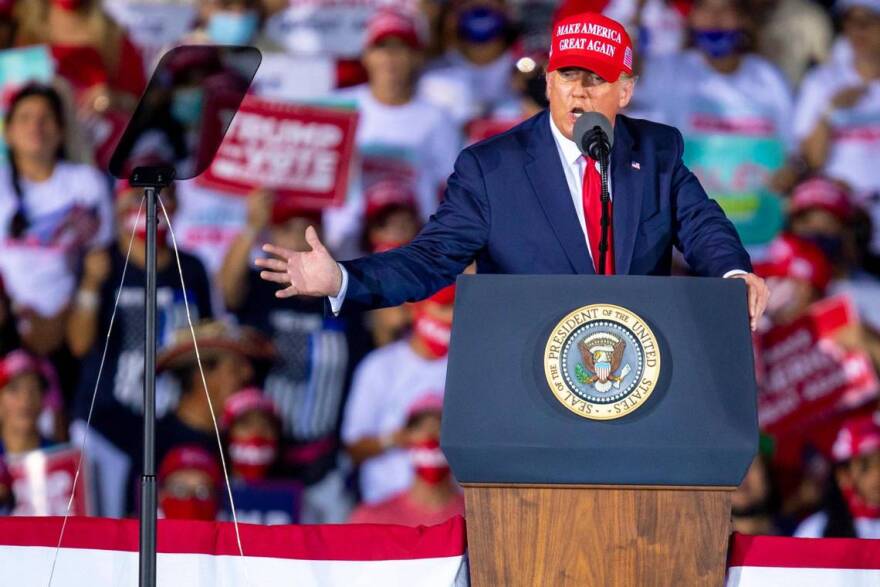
{"points": [[585, 536]]}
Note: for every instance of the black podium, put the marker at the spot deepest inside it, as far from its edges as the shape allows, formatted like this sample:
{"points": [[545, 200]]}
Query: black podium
{"points": [[598, 425]]}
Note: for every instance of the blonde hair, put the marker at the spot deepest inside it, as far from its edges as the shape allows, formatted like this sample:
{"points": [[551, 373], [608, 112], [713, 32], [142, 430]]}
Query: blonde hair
{"points": [[104, 34]]}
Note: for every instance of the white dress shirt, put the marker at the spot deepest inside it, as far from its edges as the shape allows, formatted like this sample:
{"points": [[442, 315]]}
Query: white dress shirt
{"points": [[573, 163]]}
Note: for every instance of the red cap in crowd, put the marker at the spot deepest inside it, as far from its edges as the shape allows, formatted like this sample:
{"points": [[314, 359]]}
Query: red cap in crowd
{"points": [[244, 401], [6, 7], [388, 192], [189, 456], [820, 192], [18, 363], [594, 42], [792, 257], [388, 22], [858, 436], [429, 402]]}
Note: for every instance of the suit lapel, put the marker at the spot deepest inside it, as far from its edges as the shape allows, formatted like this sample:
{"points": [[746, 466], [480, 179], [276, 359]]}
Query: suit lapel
{"points": [[626, 190], [548, 182]]}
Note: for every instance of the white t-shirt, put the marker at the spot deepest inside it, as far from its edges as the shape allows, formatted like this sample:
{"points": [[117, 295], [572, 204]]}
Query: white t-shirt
{"points": [[855, 145], [685, 91], [38, 270], [415, 145], [385, 385], [814, 527], [490, 84]]}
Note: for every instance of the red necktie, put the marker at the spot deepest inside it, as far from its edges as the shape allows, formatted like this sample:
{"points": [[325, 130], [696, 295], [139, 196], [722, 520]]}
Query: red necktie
{"points": [[592, 199]]}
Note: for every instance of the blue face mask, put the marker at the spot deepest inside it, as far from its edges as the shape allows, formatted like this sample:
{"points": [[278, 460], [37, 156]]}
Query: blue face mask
{"points": [[233, 28], [186, 105], [481, 24], [718, 43]]}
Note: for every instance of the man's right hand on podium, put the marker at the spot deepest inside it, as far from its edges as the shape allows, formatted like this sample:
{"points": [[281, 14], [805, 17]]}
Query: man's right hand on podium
{"points": [[304, 273]]}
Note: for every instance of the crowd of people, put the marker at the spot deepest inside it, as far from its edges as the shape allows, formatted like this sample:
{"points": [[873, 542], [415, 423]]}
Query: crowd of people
{"points": [[778, 102]]}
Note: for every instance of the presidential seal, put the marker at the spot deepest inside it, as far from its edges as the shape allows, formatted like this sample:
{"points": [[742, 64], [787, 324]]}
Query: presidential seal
{"points": [[602, 361]]}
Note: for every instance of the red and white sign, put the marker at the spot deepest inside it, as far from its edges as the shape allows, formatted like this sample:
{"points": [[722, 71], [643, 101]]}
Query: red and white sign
{"points": [[42, 481], [772, 561], [100, 552], [805, 375], [302, 153]]}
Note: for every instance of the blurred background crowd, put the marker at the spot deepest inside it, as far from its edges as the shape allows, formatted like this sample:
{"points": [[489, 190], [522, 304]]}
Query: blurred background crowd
{"points": [[334, 419]]}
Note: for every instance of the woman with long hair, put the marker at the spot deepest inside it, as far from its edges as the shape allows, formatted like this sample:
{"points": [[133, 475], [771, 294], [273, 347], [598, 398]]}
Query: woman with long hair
{"points": [[51, 212]]}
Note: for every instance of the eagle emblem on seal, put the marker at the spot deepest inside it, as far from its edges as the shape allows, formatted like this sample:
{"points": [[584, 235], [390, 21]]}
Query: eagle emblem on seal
{"points": [[602, 355]]}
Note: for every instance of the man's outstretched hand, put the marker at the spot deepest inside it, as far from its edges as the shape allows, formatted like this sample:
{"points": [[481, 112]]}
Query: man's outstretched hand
{"points": [[313, 273]]}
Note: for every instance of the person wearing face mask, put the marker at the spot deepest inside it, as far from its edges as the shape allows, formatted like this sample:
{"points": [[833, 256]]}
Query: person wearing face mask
{"points": [[733, 109], [253, 435], [821, 211], [392, 220], [385, 384], [433, 496], [317, 353], [189, 482], [852, 505], [231, 22], [120, 393], [480, 57], [797, 274]]}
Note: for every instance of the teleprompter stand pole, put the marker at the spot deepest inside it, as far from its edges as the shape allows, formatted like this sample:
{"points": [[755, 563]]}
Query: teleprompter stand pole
{"points": [[152, 179]]}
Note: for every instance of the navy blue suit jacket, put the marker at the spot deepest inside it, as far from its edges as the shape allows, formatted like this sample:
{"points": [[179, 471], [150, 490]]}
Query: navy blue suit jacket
{"points": [[508, 206]]}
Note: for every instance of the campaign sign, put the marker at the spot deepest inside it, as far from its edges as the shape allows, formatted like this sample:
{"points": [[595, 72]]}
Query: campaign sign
{"points": [[806, 375], [735, 171], [264, 502], [301, 153], [42, 481]]}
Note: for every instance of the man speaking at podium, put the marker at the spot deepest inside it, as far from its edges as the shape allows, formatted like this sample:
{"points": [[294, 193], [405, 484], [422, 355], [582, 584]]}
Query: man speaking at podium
{"points": [[529, 201]]}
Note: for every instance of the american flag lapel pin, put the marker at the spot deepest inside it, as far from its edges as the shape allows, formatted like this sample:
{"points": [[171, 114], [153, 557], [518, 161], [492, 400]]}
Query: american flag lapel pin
{"points": [[635, 165]]}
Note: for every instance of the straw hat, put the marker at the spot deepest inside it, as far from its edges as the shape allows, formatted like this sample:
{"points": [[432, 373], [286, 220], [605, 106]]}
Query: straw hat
{"points": [[214, 338]]}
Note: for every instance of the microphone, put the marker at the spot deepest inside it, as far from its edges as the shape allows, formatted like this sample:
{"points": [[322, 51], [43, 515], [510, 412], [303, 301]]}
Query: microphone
{"points": [[593, 135]]}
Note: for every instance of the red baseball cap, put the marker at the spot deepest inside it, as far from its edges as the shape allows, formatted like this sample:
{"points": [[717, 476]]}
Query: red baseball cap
{"points": [[594, 42], [792, 257], [388, 22], [190, 456], [823, 193], [18, 363], [429, 402], [858, 436], [247, 400], [388, 192]]}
